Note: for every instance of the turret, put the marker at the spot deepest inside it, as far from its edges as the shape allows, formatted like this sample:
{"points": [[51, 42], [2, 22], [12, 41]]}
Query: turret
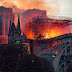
{"points": [[18, 26]]}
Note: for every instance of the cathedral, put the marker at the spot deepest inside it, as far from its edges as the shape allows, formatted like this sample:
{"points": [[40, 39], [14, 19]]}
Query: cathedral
{"points": [[14, 35]]}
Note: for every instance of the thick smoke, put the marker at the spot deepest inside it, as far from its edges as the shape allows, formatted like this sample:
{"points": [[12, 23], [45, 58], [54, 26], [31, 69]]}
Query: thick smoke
{"points": [[21, 5]]}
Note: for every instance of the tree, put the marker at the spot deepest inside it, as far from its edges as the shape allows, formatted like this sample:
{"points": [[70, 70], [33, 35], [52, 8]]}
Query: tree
{"points": [[9, 55], [69, 69], [32, 63], [9, 58], [46, 66], [14, 58]]}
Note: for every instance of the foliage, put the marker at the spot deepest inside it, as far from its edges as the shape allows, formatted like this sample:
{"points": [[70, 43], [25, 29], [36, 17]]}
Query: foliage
{"points": [[69, 69], [39, 64], [9, 55], [14, 58]]}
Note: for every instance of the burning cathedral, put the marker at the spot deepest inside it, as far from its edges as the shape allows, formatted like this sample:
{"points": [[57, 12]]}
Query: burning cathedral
{"points": [[58, 49]]}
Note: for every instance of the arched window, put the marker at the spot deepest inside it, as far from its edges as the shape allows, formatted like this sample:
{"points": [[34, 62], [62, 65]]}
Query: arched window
{"points": [[67, 42]]}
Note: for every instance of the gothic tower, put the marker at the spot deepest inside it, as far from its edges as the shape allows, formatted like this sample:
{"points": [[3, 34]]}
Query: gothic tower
{"points": [[14, 35], [18, 26]]}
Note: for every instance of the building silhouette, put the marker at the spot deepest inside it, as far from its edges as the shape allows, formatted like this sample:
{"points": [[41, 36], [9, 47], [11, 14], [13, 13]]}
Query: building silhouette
{"points": [[14, 35]]}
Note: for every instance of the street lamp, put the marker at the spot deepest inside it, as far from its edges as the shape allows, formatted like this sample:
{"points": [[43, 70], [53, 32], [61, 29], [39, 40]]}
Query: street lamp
{"points": [[33, 60]]}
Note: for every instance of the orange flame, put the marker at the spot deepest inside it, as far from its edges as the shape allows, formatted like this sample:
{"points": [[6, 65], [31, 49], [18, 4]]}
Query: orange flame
{"points": [[30, 34], [50, 33]]}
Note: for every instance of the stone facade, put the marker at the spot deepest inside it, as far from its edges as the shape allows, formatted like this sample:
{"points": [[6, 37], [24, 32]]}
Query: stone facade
{"points": [[60, 54]]}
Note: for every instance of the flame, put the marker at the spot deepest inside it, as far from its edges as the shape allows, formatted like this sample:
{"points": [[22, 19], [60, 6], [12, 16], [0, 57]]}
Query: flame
{"points": [[49, 33], [46, 37], [54, 33], [30, 34]]}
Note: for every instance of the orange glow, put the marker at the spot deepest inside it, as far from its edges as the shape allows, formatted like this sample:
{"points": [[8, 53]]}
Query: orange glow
{"points": [[54, 33], [3, 39], [48, 33], [47, 29], [30, 34], [51, 34]]}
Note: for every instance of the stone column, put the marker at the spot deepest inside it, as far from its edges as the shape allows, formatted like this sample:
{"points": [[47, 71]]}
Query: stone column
{"points": [[3, 25], [9, 17], [8, 22]]}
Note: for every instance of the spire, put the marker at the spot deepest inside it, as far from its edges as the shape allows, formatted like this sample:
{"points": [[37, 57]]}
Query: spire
{"points": [[18, 27], [13, 17]]}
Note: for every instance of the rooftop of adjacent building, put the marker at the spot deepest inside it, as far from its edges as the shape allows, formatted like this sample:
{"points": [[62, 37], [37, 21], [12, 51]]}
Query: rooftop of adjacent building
{"points": [[58, 37], [5, 9]]}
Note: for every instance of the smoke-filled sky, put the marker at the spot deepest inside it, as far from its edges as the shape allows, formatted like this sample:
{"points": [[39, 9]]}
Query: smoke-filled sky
{"points": [[64, 7], [53, 7]]}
